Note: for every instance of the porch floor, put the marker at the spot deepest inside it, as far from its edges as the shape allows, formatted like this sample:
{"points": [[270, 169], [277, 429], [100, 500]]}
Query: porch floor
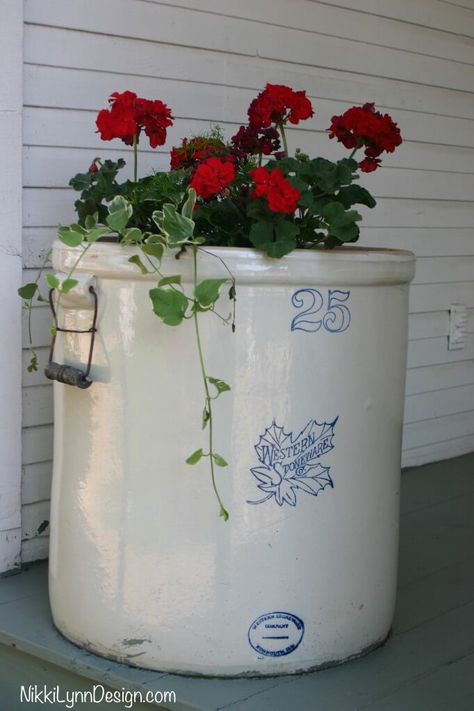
{"points": [[426, 665]]}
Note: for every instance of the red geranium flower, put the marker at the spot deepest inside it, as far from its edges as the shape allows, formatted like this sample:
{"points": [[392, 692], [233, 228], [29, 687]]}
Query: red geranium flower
{"points": [[279, 104], [251, 141], [212, 177], [364, 126], [129, 115], [272, 185], [193, 151]]}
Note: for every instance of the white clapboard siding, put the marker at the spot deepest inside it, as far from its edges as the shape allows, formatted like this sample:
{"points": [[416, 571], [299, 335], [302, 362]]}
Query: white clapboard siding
{"points": [[34, 515], [207, 59], [36, 482], [33, 549], [131, 57]]}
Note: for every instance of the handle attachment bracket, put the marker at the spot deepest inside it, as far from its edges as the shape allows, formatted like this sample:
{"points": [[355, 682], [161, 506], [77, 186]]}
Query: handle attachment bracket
{"points": [[69, 374]]}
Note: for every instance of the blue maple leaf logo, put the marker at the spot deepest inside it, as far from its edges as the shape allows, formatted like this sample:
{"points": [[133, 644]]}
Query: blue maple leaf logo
{"points": [[291, 464]]}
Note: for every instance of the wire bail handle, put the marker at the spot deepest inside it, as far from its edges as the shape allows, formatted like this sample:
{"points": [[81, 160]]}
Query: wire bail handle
{"points": [[68, 374]]}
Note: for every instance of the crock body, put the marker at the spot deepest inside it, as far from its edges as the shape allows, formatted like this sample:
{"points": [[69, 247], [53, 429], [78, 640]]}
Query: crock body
{"points": [[142, 568]]}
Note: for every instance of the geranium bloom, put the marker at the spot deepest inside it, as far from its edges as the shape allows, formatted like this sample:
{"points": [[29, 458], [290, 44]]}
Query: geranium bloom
{"points": [[193, 151], [279, 104], [272, 185], [129, 115], [212, 177], [251, 141], [364, 126]]}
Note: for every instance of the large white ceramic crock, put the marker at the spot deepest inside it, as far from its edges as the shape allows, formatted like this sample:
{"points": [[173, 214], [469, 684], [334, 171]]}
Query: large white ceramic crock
{"points": [[303, 574]]}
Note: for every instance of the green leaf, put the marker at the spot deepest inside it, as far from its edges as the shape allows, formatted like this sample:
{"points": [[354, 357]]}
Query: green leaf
{"points": [[195, 457], [82, 181], [77, 228], [33, 364], [169, 305], [220, 385], [69, 236], [118, 204], [285, 233], [206, 416], [188, 207], [355, 194], [276, 240], [138, 262], [176, 279], [157, 217], [261, 235], [341, 223], [153, 249], [52, 280], [53, 331], [308, 200], [132, 236], [220, 461], [28, 291], [90, 222], [94, 234], [178, 228], [120, 211], [224, 513], [207, 292], [68, 284], [345, 169]]}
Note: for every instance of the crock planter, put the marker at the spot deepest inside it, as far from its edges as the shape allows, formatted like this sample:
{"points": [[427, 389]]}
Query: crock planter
{"points": [[303, 574]]}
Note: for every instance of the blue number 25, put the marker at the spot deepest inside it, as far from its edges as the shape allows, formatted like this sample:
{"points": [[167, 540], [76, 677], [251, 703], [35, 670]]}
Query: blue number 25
{"points": [[336, 318]]}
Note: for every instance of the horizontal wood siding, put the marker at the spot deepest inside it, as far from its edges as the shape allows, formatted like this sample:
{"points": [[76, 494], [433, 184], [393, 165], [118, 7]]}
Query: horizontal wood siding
{"points": [[207, 59]]}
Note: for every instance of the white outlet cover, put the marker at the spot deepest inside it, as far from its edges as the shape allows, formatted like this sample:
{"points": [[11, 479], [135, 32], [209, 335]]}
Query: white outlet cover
{"points": [[457, 326]]}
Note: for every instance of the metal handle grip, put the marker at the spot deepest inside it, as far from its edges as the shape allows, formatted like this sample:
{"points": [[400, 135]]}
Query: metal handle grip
{"points": [[67, 374]]}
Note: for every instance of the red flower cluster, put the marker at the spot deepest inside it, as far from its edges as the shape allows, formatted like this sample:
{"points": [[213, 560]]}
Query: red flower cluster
{"points": [[253, 141], [193, 151], [279, 104], [364, 126], [212, 177], [128, 115], [272, 185]]}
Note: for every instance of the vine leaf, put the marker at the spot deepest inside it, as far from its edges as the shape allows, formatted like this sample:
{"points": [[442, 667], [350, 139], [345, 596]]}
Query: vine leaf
{"points": [[176, 279], [70, 237], [207, 293], [220, 461], [195, 457], [224, 513], [68, 284], [135, 259], [153, 249], [220, 385], [169, 305], [120, 211], [52, 280], [27, 291], [206, 416]]}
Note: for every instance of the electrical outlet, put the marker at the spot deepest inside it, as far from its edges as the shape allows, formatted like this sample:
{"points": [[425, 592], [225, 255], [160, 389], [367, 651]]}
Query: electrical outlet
{"points": [[457, 327]]}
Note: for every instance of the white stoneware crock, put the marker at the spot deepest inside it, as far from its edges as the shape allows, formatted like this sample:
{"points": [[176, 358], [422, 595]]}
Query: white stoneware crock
{"points": [[303, 575]]}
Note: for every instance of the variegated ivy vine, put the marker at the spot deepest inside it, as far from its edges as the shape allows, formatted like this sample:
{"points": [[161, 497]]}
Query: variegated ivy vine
{"points": [[170, 302]]}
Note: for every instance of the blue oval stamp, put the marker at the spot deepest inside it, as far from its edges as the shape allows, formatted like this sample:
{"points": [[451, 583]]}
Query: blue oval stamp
{"points": [[276, 633]]}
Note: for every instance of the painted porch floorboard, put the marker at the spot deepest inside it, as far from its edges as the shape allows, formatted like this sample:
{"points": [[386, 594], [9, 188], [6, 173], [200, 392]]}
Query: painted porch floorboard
{"points": [[427, 664]]}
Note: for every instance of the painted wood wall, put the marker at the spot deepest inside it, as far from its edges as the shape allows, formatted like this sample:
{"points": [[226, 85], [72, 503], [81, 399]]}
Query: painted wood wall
{"points": [[11, 61], [207, 59]]}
